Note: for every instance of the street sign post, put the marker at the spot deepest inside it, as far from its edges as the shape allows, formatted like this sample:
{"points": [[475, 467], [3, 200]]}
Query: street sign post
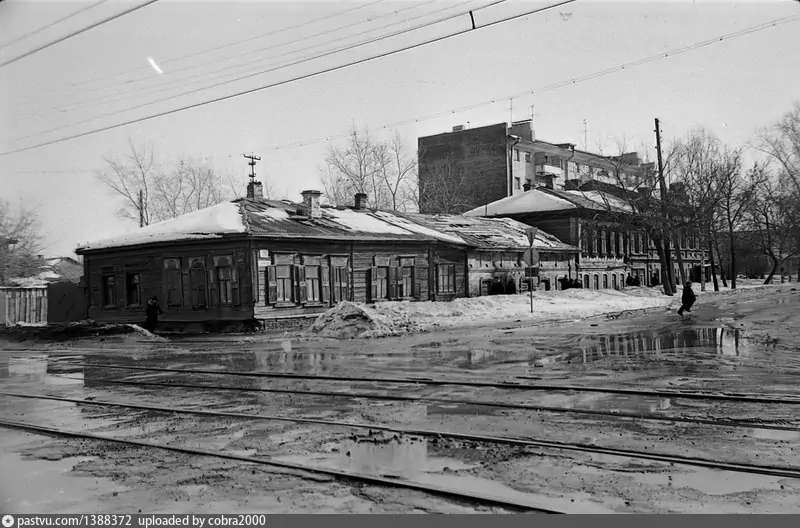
{"points": [[531, 254]]}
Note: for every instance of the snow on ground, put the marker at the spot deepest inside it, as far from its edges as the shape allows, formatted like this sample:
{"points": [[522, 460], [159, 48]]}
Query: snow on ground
{"points": [[349, 320]]}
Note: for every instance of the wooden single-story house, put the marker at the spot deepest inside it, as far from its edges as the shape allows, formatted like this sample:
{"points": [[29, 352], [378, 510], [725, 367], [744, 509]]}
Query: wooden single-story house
{"points": [[259, 259], [494, 251]]}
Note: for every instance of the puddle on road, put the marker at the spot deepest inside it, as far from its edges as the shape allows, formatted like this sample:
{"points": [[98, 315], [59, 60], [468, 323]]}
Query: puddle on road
{"points": [[406, 457], [48, 487], [707, 481]]}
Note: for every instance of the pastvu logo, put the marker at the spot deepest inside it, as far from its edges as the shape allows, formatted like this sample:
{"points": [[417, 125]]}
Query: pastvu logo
{"points": [[8, 521]]}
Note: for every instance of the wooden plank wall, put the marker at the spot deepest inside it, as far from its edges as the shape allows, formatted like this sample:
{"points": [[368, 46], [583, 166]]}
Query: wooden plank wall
{"points": [[23, 305], [361, 259], [149, 263]]}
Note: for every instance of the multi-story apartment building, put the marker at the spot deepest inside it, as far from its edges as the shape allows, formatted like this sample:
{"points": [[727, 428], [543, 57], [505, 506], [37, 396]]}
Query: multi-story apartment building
{"points": [[504, 171], [465, 168]]}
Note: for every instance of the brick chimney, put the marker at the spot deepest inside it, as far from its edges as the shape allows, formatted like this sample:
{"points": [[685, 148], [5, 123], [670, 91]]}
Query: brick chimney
{"points": [[311, 203], [361, 201], [255, 190]]}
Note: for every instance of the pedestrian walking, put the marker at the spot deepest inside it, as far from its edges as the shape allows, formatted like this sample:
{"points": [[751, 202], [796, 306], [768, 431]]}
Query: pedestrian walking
{"points": [[152, 312], [687, 299]]}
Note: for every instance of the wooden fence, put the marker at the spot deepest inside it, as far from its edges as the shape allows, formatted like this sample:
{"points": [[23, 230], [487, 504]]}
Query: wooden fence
{"points": [[23, 305]]}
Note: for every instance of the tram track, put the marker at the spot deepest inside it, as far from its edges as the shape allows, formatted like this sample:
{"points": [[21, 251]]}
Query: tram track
{"points": [[453, 494], [452, 401], [694, 395], [776, 471]]}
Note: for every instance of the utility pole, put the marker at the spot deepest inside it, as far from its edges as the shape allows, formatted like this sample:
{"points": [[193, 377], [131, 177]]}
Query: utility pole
{"points": [[585, 136], [141, 209], [667, 276], [252, 163]]}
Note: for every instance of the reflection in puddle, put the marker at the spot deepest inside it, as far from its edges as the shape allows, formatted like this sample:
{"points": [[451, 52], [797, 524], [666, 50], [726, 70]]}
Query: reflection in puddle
{"points": [[721, 341], [407, 458]]}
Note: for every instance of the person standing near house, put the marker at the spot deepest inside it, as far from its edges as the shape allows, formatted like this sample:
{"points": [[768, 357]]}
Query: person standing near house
{"points": [[687, 299], [152, 312]]}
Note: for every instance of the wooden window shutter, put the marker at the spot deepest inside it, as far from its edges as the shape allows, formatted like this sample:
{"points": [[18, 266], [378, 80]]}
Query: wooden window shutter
{"points": [[373, 275], [348, 285], [393, 274], [212, 286], [301, 288], [236, 272], [325, 281], [254, 278], [420, 282], [272, 285]]}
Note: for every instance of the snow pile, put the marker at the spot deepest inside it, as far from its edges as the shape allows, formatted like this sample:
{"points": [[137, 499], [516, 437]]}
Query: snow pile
{"points": [[547, 305], [348, 320], [351, 320]]}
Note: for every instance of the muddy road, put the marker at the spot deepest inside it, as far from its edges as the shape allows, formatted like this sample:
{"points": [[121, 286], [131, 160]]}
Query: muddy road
{"points": [[742, 345]]}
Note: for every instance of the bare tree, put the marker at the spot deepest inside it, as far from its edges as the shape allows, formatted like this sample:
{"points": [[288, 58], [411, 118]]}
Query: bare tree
{"points": [[398, 172], [166, 193], [20, 242], [629, 205], [695, 166], [736, 195], [384, 171], [773, 220], [782, 144], [445, 188]]}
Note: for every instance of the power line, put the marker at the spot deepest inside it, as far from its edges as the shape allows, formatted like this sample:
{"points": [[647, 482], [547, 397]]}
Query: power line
{"points": [[51, 24], [202, 52], [78, 32], [114, 98], [569, 82], [262, 72], [429, 117]]}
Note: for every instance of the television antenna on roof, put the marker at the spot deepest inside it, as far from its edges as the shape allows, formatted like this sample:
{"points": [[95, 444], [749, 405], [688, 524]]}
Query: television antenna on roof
{"points": [[253, 159]]}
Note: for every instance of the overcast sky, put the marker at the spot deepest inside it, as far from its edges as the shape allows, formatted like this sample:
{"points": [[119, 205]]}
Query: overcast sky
{"points": [[93, 80]]}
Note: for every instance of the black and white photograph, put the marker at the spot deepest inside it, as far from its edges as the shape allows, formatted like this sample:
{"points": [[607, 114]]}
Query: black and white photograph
{"points": [[269, 257]]}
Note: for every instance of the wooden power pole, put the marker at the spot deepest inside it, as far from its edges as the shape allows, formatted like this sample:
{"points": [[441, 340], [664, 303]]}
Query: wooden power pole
{"points": [[667, 276]]}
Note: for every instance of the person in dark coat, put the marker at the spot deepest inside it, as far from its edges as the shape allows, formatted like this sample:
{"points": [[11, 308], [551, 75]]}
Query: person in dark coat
{"points": [[687, 299], [152, 312]]}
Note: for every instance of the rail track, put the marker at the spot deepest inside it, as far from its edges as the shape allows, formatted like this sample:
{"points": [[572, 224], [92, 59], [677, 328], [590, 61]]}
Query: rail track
{"points": [[694, 395], [451, 401], [462, 496], [776, 471]]}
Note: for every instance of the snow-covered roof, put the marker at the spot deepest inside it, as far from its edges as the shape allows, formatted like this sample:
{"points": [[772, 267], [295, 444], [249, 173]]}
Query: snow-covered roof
{"points": [[491, 233], [211, 222], [284, 219], [525, 202], [552, 200]]}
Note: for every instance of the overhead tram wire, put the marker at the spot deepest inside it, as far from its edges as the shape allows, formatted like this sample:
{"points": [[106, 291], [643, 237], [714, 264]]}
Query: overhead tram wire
{"points": [[561, 84], [51, 24], [78, 32], [201, 52], [269, 70], [163, 87], [289, 81], [533, 91]]}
